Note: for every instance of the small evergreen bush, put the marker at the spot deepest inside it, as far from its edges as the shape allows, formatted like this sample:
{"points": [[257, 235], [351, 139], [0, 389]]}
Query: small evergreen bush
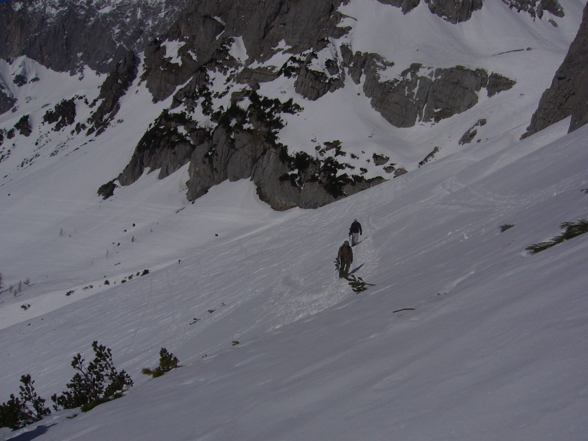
{"points": [[26, 409], [167, 362], [94, 384], [358, 284], [571, 230]]}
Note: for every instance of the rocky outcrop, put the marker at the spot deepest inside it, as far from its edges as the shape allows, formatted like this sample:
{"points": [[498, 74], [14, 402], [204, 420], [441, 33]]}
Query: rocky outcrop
{"points": [[568, 94], [458, 11], [430, 156], [536, 7], [472, 132], [112, 90], [65, 35], [64, 114], [163, 147], [24, 126], [205, 30], [451, 10], [243, 145], [313, 84], [7, 101], [420, 93], [454, 11], [577, 60], [405, 5], [498, 83]]}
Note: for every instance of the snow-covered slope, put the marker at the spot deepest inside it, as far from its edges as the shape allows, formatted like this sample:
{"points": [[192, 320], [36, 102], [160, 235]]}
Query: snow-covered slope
{"points": [[490, 345], [463, 335]]}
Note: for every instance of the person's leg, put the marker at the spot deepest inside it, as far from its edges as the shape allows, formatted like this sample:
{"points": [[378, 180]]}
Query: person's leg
{"points": [[346, 266]]}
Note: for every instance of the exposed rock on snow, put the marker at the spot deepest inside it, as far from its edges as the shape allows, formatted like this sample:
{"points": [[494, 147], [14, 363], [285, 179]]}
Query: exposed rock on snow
{"points": [[113, 88], [67, 35], [568, 94]]}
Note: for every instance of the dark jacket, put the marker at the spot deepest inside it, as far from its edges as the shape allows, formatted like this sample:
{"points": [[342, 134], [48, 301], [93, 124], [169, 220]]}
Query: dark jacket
{"points": [[345, 253], [355, 228]]}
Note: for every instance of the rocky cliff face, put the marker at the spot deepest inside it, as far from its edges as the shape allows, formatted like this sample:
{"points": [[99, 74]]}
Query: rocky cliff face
{"points": [[211, 58], [66, 35], [568, 94], [205, 29], [460, 11], [421, 93], [242, 143]]}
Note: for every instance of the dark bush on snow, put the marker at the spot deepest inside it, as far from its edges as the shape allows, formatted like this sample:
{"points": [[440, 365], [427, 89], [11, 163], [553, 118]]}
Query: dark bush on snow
{"points": [[94, 384]]}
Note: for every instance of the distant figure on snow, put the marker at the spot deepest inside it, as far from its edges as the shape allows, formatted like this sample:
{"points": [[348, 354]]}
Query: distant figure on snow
{"points": [[345, 259], [355, 232]]}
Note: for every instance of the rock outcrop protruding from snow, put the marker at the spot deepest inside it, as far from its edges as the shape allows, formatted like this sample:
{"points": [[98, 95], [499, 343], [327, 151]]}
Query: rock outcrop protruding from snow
{"points": [[420, 93], [112, 90], [454, 11], [6, 100], [243, 145], [568, 93], [66, 35], [450, 10], [205, 30], [64, 114], [536, 8], [458, 11]]}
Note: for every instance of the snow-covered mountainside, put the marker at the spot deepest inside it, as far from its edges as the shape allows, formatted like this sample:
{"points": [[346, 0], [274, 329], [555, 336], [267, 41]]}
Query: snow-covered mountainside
{"points": [[311, 100], [137, 209], [462, 333]]}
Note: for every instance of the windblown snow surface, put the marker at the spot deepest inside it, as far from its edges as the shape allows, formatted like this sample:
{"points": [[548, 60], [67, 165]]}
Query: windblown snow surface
{"points": [[463, 336]]}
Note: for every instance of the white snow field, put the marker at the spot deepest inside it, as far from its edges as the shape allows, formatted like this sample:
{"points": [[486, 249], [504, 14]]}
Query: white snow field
{"points": [[463, 336], [493, 347]]}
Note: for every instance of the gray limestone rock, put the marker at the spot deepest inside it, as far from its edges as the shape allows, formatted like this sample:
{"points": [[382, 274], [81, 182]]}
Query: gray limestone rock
{"points": [[567, 94], [536, 7], [207, 29], [453, 91], [24, 126], [472, 132], [312, 84], [421, 94], [65, 35], [7, 101], [454, 11], [111, 91], [405, 5], [64, 114], [498, 83], [430, 156], [257, 75], [380, 159], [163, 147], [232, 151]]}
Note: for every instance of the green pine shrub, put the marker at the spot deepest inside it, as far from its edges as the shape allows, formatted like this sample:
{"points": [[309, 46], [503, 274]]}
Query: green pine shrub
{"points": [[94, 384], [358, 284], [167, 362], [26, 409], [570, 230]]}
